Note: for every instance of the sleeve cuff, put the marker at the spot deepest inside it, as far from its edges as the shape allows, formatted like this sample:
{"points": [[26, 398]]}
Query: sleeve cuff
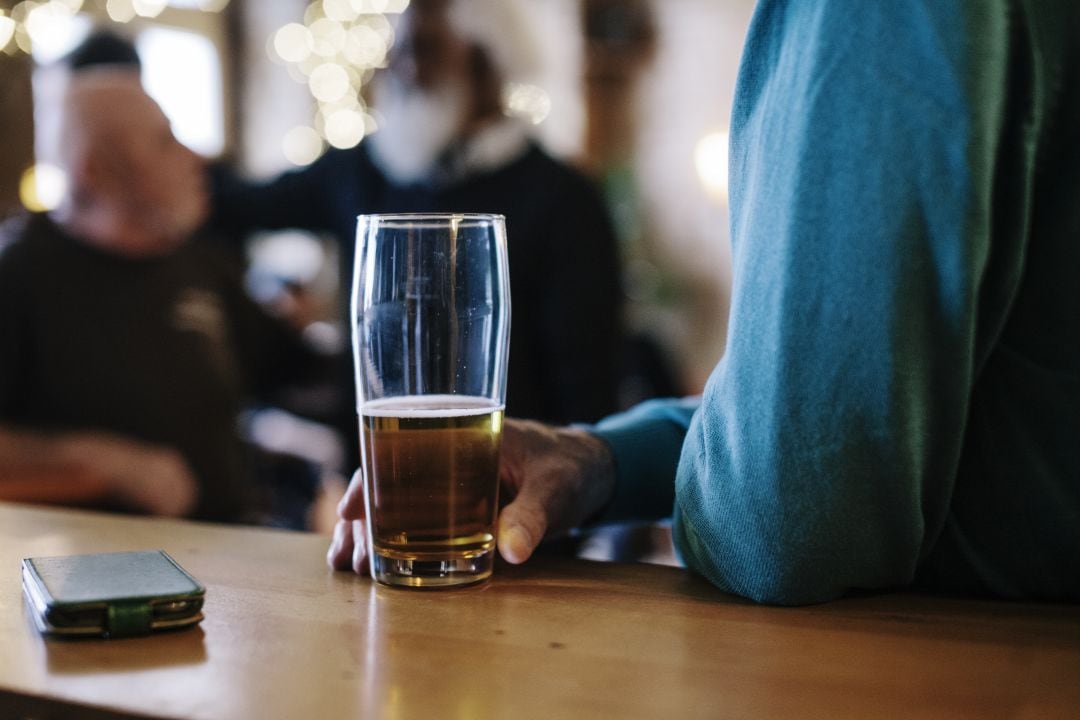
{"points": [[645, 444]]}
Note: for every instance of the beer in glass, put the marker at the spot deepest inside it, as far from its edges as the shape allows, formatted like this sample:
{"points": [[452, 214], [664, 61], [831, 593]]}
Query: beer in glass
{"points": [[431, 314]]}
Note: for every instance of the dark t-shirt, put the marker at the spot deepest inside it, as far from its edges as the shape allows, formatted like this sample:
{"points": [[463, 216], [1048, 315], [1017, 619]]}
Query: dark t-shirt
{"points": [[162, 350]]}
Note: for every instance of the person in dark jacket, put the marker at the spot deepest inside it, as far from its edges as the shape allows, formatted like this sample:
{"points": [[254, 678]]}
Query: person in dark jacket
{"points": [[445, 145], [127, 342]]}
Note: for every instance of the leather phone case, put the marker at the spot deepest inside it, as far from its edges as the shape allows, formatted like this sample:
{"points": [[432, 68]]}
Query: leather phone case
{"points": [[110, 594]]}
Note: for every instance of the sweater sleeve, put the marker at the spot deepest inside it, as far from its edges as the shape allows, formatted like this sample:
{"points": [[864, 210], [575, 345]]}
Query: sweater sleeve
{"points": [[645, 443], [299, 199], [824, 453]]}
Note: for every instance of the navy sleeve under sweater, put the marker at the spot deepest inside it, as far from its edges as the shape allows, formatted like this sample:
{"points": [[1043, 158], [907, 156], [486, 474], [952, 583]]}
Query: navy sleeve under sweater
{"points": [[900, 397]]}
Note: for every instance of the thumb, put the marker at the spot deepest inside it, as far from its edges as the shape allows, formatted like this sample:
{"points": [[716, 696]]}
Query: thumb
{"points": [[522, 524]]}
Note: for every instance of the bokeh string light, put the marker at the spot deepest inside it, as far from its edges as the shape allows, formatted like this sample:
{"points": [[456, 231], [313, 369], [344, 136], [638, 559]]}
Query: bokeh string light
{"points": [[711, 161], [334, 51], [39, 24], [47, 29], [35, 22]]}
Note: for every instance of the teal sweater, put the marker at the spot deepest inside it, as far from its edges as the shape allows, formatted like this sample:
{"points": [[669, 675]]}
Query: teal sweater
{"points": [[899, 402]]}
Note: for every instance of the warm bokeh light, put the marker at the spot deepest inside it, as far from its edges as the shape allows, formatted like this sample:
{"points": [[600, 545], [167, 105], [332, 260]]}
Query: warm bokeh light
{"points": [[340, 10], [335, 50], [121, 11], [329, 82], [204, 5], [7, 30], [148, 8], [527, 101], [364, 46], [370, 123], [381, 25], [344, 128], [22, 38], [348, 102], [370, 6], [302, 145], [293, 43], [45, 28], [380, 6], [328, 37], [190, 92], [46, 20], [42, 187], [19, 11], [711, 160], [53, 29], [308, 65]]}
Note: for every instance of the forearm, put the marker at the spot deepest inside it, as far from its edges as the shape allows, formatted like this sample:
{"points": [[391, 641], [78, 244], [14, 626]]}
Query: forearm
{"points": [[54, 485], [801, 502], [824, 455], [645, 444], [36, 449], [296, 199], [40, 468], [94, 468]]}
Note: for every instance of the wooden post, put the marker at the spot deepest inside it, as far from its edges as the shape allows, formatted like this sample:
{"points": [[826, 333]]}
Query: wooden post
{"points": [[16, 127]]}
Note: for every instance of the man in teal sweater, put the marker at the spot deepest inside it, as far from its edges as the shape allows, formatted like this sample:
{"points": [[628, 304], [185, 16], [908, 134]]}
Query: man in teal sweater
{"points": [[899, 403]]}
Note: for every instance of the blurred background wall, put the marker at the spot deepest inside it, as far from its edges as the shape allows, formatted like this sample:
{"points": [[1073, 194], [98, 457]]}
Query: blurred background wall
{"points": [[637, 92]]}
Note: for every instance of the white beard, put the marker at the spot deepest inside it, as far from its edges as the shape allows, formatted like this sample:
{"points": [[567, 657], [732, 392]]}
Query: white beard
{"points": [[417, 127]]}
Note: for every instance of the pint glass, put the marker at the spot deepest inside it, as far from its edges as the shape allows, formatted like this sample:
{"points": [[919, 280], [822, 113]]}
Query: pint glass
{"points": [[431, 323]]}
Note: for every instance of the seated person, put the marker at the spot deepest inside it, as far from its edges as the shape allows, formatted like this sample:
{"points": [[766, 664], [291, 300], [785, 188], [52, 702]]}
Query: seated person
{"points": [[127, 345], [899, 399]]}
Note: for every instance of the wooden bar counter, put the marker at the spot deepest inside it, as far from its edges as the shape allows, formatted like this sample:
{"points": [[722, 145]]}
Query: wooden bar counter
{"points": [[284, 637]]}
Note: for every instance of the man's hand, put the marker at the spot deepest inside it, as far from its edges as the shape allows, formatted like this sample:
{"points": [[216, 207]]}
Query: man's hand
{"points": [[348, 548], [554, 479]]}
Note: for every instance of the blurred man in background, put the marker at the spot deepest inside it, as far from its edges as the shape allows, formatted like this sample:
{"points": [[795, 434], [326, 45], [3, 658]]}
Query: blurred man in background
{"points": [[127, 346], [445, 144]]}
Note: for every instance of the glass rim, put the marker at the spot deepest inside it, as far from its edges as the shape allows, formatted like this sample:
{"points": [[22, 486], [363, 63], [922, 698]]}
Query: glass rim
{"points": [[399, 220]]}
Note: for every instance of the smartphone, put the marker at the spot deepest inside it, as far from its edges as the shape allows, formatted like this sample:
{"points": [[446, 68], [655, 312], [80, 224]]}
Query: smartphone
{"points": [[111, 594]]}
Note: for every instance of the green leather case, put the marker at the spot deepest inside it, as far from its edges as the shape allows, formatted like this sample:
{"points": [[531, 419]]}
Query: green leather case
{"points": [[111, 594]]}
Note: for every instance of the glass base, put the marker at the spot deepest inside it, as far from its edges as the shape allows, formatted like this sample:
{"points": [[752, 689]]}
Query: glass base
{"points": [[449, 572]]}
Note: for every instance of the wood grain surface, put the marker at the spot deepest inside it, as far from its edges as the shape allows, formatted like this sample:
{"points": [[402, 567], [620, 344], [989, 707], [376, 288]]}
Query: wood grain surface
{"points": [[284, 637]]}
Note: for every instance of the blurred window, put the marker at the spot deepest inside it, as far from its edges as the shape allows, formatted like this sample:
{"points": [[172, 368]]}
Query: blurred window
{"points": [[189, 92]]}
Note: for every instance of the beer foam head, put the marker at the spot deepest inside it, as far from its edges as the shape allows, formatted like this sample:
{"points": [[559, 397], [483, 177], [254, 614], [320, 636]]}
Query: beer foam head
{"points": [[422, 406]]}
